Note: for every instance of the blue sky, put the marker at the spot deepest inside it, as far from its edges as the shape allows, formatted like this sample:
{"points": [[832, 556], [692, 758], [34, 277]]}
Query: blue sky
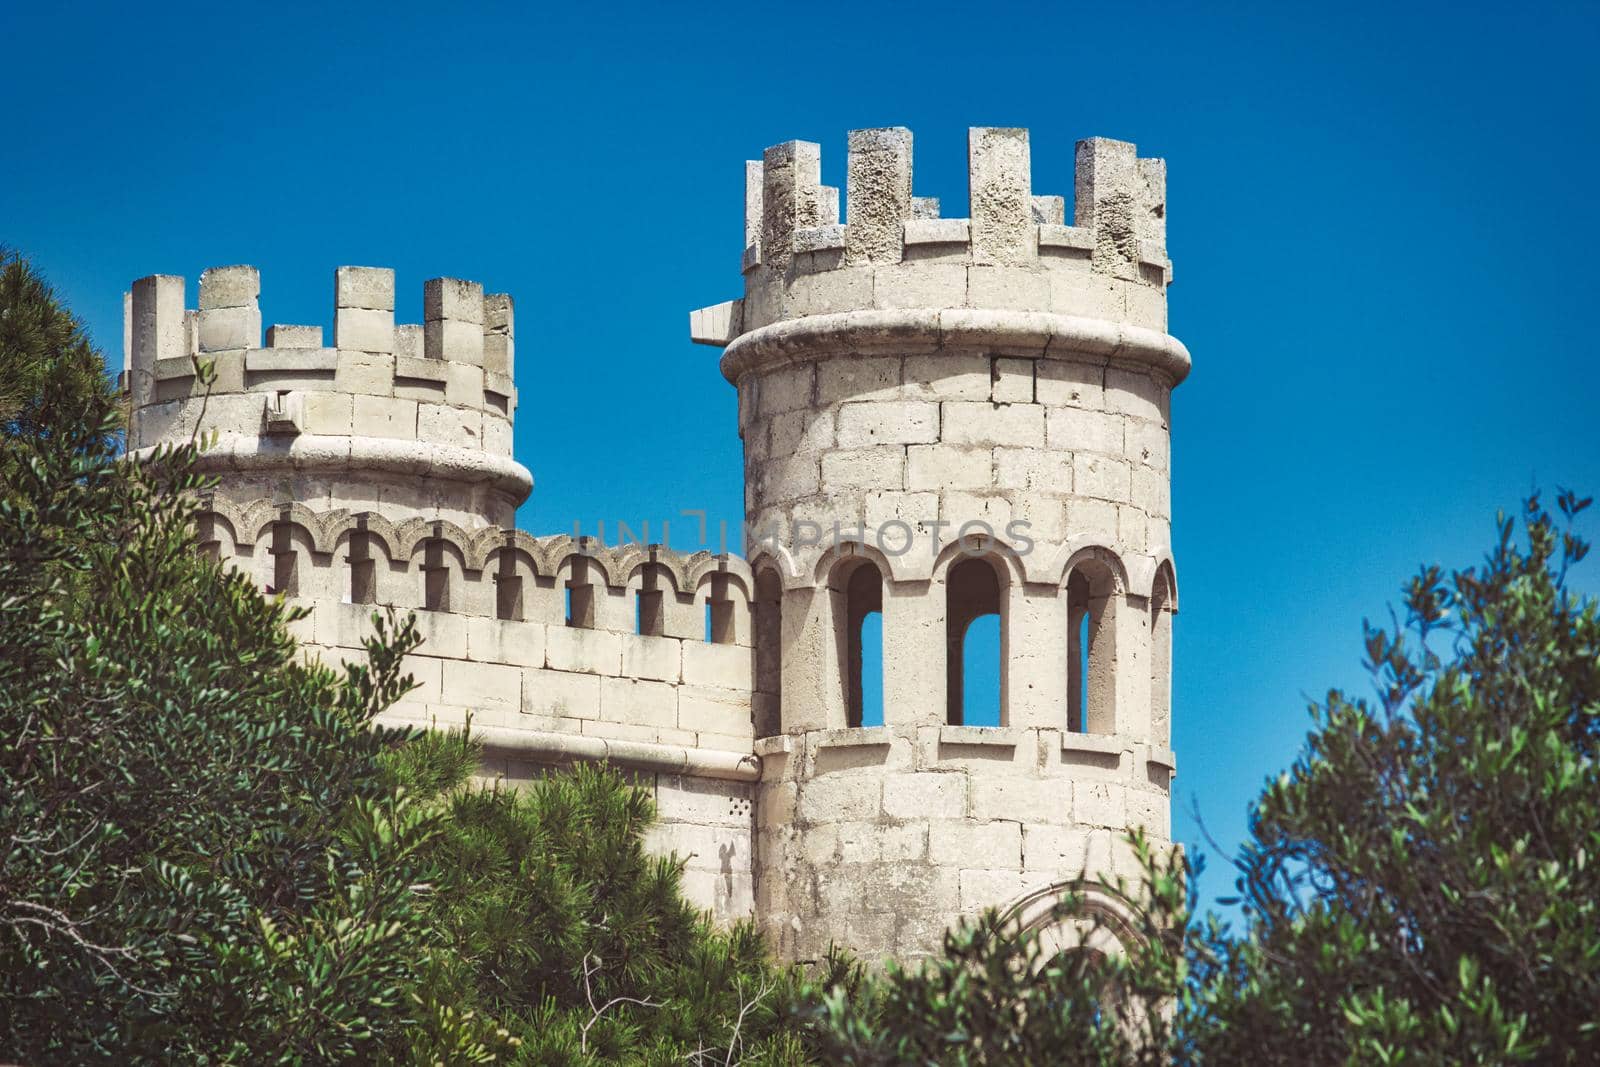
{"points": [[1381, 219]]}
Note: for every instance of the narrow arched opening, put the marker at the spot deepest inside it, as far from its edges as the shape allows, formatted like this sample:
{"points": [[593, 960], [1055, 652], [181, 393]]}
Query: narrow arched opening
{"points": [[857, 588], [581, 593], [650, 604], [767, 650], [975, 636], [1161, 611], [435, 576], [1092, 600]]}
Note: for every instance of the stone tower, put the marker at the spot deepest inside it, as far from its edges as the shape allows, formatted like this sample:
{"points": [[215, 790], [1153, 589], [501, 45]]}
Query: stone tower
{"points": [[944, 420], [947, 418], [404, 422]]}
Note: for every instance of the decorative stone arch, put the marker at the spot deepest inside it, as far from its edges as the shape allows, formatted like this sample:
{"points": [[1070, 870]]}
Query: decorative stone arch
{"points": [[979, 576], [1105, 921], [856, 576], [1095, 583], [723, 590], [766, 609], [1163, 605]]}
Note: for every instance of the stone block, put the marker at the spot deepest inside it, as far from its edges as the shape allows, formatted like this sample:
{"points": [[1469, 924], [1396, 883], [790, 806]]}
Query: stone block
{"points": [[1081, 430], [443, 425], [453, 340], [882, 467], [901, 422], [1028, 800], [935, 467], [1095, 520], [371, 373], [384, 416], [1102, 477], [1146, 442], [1011, 381], [370, 288], [230, 287], [992, 845], [1062, 383], [463, 385], [788, 388], [626, 700], [858, 378], [505, 641], [327, 413], [1029, 468], [1132, 393], [363, 330], [1151, 491], [482, 685], [656, 658], [925, 795], [921, 284], [227, 328], [717, 711], [982, 889], [573, 648], [1007, 288], [553, 695], [1058, 850], [1017, 425], [452, 298], [716, 666], [294, 336], [827, 799], [1100, 804], [706, 802], [800, 431], [443, 633], [949, 376]]}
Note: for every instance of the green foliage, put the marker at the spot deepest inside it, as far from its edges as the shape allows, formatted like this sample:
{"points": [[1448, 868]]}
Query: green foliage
{"points": [[999, 995], [1420, 886], [202, 858], [561, 926]]}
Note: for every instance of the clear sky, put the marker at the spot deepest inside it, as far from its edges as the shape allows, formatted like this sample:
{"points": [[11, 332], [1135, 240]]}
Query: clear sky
{"points": [[1382, 220]]}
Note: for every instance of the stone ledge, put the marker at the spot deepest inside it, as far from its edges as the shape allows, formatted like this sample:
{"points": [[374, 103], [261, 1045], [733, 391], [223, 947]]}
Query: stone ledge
{"points": [[855, 737], [1099, 744], [542, 746], [990, 736], [1033, 334]]}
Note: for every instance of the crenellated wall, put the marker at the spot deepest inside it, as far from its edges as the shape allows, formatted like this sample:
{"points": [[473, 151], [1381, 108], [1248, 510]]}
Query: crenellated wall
{"points": [[943, 420], [555, 651], [946, 420], [407, 420]]}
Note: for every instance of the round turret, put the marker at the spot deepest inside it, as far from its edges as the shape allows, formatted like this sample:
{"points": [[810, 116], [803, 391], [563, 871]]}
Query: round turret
{"points": [[946, 419], [402, 421]]}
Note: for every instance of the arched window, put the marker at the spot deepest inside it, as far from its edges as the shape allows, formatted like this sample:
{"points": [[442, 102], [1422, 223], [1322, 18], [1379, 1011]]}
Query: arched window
{"points": [[768, 654], [1161, 609], [1092, 649], [975, 644], [857, 589]]}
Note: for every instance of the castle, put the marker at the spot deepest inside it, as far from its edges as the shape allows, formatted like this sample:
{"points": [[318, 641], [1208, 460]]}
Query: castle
{"points": [[943, 419]]}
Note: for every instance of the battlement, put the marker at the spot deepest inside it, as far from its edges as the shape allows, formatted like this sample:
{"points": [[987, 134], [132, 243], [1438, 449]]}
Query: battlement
{"points": [[446, 381], [891, 250], [408, 420], [633, 643]]}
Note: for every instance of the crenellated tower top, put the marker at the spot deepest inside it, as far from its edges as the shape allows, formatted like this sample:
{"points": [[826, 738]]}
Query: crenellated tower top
{"points": [[409, 421], [1017, 251]]}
